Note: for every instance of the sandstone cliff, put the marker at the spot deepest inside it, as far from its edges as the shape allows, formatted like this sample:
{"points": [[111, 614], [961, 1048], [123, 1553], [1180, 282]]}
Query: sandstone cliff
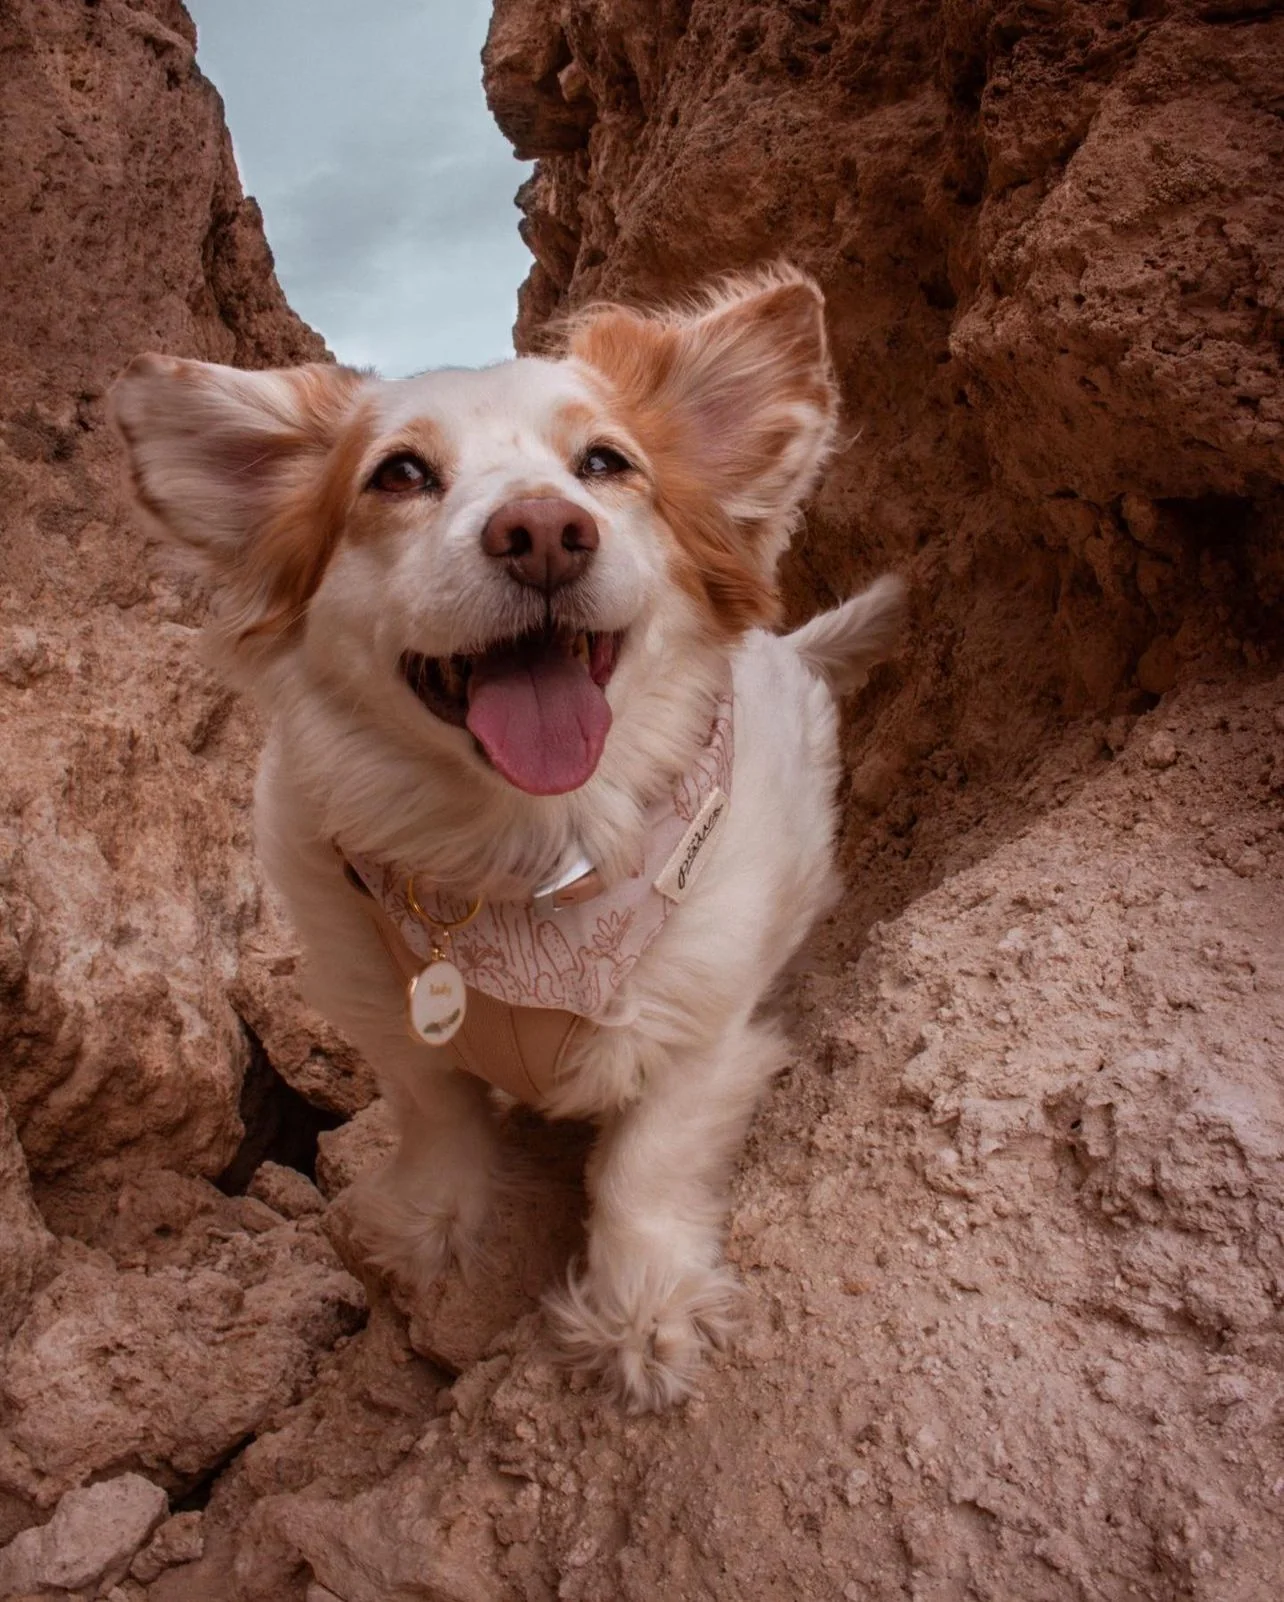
{"points": [[1050, 238], [133, 935], [1012, 1226]]}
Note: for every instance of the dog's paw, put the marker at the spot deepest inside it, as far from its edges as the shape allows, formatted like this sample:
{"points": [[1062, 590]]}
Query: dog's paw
{"points": [[414, 1230], [645, 1335]]}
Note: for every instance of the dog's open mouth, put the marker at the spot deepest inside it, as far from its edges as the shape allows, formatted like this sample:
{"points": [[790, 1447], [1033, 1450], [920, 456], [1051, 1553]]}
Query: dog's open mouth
{"points": [[535, 705]]}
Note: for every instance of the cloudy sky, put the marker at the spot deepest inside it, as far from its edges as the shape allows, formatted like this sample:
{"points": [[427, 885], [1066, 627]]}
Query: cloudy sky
{"points": [[387, 190]]}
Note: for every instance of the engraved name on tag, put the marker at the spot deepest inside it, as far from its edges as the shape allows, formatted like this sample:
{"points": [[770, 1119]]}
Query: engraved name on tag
{"points": [[437, 999]]}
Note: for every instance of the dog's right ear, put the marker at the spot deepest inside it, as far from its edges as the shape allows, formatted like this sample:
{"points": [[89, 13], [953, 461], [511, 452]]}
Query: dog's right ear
{"points": [[240, 470], [732, 398]]}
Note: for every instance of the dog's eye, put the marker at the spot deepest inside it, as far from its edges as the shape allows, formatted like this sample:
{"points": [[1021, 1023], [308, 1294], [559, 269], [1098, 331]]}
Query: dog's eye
{"points": [[600, 461], [403, 474]]}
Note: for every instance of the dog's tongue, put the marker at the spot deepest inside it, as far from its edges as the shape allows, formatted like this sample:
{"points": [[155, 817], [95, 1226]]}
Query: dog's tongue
{"points": [[540, 718]]}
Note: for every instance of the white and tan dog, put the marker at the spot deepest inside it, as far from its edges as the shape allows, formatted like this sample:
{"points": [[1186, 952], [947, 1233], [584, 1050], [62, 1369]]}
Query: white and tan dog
{"points": [[508, 630]]}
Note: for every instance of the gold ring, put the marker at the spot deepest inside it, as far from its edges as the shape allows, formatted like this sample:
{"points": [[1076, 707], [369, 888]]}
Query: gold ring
{"points": [[445, 925]]}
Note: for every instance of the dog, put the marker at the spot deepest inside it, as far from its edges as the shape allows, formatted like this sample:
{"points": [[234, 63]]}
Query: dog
{"points": [[534, 747]]}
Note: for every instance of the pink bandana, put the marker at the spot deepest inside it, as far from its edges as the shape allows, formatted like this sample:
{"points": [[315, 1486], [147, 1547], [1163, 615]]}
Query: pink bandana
{"points": [[577, 958]]}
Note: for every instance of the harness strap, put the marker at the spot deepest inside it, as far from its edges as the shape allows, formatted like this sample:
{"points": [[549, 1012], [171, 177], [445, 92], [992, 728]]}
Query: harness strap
{"points": [[517, 1049]]}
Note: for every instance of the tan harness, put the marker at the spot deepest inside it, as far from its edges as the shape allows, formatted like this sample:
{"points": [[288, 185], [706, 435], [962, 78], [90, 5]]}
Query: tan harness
{"points": [[517, 1049]]}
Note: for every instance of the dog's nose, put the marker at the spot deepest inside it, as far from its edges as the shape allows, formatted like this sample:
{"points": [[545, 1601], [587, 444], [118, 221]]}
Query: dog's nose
{"points": [[545, 540]]}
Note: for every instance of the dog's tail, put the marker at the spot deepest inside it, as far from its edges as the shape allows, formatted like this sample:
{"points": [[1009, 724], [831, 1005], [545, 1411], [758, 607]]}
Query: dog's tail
{"points": [[841, 646]]}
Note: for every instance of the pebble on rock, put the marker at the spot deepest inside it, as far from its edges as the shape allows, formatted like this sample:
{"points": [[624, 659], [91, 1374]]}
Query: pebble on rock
{"points": [[180, 1539], [1160, 751]]}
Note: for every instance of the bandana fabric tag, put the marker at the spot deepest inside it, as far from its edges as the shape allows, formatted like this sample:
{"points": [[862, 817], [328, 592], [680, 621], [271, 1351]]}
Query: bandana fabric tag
{"points": [[689, 856]]}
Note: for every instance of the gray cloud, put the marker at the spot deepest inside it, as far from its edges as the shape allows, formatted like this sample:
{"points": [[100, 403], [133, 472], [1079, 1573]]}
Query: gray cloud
{"points": [[387, 191]]}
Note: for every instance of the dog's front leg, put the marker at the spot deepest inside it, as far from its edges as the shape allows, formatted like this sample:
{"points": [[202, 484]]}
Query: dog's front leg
{"points": [[654, 1291], [431, 1201], [429, 1205]]}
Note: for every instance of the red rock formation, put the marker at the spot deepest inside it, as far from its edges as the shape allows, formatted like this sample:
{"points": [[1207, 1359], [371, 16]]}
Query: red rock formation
{"points": [[1011, 1226], [131, 897], [1050, 236], [179, 1319]]}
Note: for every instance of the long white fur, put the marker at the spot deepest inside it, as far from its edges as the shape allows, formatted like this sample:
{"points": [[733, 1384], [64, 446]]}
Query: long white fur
{"points": [[351, 755]]}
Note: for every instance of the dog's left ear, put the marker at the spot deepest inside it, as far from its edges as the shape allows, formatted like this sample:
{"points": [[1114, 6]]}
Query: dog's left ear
{"points": [[734, 391], [240, 471]]}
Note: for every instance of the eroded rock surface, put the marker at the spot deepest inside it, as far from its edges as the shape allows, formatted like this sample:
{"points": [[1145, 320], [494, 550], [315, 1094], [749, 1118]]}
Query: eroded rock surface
{"points": [[89, 1541], [164, 1344], [1051, 244], [26, 1246], [130, 896], [155, 1323]]}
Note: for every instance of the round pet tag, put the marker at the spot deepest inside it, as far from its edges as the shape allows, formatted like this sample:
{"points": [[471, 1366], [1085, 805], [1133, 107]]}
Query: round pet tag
{"points": [[437, 1001]]}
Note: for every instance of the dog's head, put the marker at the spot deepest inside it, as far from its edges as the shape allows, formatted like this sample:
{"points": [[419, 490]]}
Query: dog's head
{"points": [[490, 563]]}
